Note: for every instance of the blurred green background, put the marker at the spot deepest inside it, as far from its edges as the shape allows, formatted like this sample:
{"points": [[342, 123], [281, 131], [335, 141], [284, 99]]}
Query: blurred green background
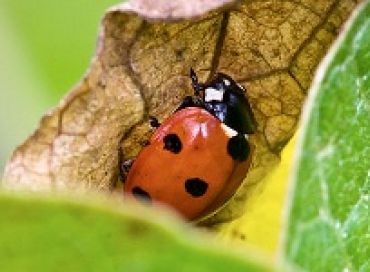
{"points": [[45, 48]]}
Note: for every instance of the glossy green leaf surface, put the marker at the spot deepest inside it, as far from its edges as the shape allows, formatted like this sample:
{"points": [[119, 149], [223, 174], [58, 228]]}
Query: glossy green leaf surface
{"points": [[328, 227], [39, 234]]}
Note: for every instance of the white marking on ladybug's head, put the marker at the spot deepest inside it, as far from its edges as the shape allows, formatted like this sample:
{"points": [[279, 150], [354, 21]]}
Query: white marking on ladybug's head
{"points": [[228, 130], [211, 94], [227, 82]]}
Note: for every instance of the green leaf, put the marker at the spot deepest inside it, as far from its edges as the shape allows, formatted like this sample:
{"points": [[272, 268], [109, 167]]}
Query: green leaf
{"points": [[45, 47], [328, 225], [44, 234], [57, 36]]}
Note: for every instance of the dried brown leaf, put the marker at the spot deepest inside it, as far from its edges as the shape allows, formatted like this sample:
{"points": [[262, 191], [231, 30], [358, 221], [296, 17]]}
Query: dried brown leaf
{"points": [[141, 68]]}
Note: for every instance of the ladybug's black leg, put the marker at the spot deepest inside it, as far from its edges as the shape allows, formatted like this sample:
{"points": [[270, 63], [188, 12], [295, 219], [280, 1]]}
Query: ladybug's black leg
{"points": [[153, 122], [198, 100], [198, 87], [190, 101], [125, 168]]}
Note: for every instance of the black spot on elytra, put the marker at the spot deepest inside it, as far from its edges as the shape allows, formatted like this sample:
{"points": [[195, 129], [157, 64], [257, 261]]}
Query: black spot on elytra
{"points": [[172, 143], [238, 147], [141, 195], [196, 187]]}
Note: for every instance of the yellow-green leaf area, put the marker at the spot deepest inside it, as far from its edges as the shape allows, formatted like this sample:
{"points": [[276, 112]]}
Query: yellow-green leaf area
{"points": [[328, 227], [45, 234]]}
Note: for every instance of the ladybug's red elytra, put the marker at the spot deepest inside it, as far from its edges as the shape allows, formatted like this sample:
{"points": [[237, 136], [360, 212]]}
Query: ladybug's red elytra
{"points": [[197, 159]]}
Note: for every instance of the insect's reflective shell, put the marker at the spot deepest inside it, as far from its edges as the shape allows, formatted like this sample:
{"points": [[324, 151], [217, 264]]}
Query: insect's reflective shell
{"points": [[193, 163]]}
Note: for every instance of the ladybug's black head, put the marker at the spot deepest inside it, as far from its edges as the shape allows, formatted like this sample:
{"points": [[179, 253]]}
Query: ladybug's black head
{"points": [[220, 87], [226, 100]]}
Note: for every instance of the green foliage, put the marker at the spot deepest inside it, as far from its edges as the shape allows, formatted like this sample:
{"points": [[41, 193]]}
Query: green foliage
{"points": [[45, 49], [60, 235], [59, 35], [329, 218], [328, 228]]}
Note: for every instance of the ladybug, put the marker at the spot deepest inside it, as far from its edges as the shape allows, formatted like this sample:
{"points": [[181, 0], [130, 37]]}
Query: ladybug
{"points": [[199, 156]]}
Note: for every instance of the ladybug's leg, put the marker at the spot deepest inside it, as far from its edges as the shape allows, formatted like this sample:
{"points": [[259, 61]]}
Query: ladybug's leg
{"points": [[190, 101], [125, 168], [153, 122], [198, 100], [198, 87]]}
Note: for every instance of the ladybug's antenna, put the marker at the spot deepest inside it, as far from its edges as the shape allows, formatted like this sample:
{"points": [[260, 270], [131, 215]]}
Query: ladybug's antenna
{"points": [[194, 82]]}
